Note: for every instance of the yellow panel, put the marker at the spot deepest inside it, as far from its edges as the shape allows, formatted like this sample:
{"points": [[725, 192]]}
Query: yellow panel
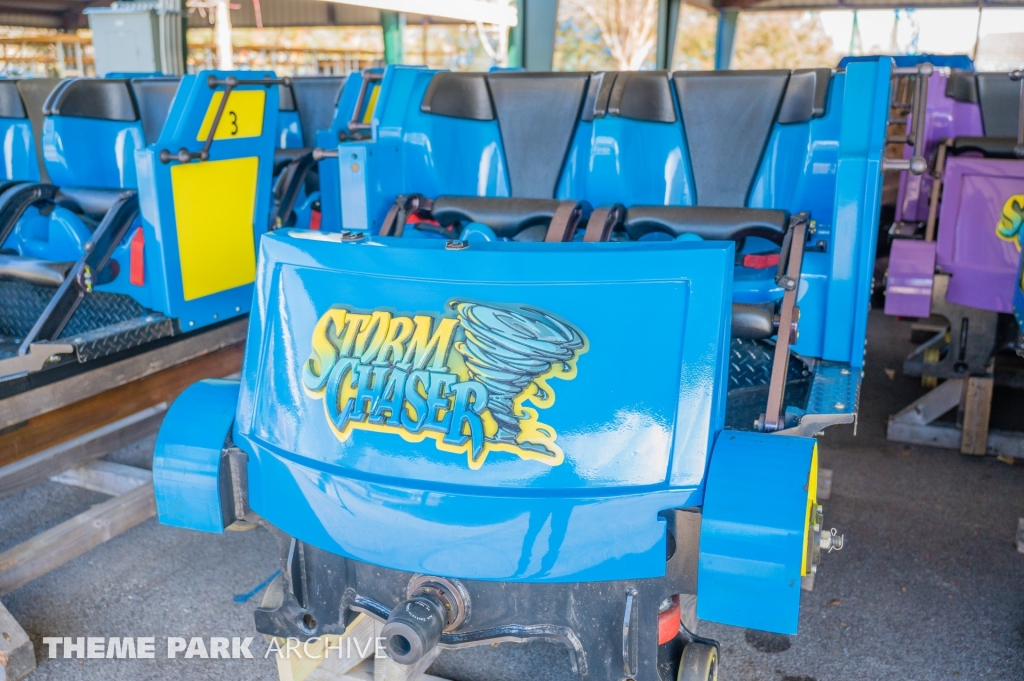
{"points": [[242, 117], [368, 114], [812, 501], [213, 207]]}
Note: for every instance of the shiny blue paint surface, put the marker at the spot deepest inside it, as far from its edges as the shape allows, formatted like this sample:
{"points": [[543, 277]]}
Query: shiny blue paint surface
{"points": [[61, 236], [289, 130], [88, 152], [953, 61], [752, 531], [156, 199], [330, 182], [187, 458], [857, 206], [636, 424], [18, 150]]}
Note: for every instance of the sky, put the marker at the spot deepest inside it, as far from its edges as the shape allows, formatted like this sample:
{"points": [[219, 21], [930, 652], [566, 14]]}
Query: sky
{"points": [[943, 31]]}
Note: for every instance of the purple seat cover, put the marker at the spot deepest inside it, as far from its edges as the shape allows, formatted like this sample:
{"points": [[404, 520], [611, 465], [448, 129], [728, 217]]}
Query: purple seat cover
{"points": [[983, 264], [908, 291]]}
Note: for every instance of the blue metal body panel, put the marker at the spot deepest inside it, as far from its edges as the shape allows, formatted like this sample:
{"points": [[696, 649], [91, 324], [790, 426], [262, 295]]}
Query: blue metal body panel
{"points": [[289, 130], [753, 530], [156, 198], [187, 459], [18, 150], [87, 152], [631, 441], [330, 182]]}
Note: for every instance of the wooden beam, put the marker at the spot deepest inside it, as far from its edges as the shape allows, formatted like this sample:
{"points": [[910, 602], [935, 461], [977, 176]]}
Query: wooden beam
{"points": [[67, 541], [105, 477], [99, 408], [41, 466], [31, 403], [977, 403], [17, 656]]}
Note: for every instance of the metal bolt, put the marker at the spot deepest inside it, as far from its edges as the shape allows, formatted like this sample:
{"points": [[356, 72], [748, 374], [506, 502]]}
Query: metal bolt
{"points": [[238, 308], [455, 245], [831, 541], [191, 323], [54, 358], [844, 372], [839, 406]]}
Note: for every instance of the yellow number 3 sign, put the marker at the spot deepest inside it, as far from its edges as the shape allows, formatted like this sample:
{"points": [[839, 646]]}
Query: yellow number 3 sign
{"points": [[1011, 223], [242, 117]]}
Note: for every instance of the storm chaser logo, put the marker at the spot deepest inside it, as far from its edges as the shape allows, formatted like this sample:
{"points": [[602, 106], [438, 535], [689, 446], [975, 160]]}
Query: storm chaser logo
{"points": [[1011, 223], [463, 380]]}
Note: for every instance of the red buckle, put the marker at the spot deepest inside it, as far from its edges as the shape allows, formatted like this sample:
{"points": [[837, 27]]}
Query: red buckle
{"points": [[415, 218], [136, 259], [315, 217], [761, 261]]}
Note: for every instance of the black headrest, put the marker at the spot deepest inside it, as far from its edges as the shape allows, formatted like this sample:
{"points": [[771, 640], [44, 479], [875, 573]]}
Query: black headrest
{"points": [[10, 100], [642, 95], [506, 216], [34, 93], [806, 95], [285, 99], [999, 98], [316, 98], [595, 104], [154, 97], [962, 86], [727, 118], [103, 98], [459, 95], [718, 224], [990, 147], [537, 115]]}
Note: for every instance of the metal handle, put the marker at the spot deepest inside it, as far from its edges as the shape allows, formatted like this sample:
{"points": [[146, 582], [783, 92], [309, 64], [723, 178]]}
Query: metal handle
{"points": [[917, 164], [320, 154], [369, 77]]}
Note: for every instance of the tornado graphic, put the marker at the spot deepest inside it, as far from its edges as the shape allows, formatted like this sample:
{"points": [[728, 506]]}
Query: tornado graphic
{"points": [[506, 349]]}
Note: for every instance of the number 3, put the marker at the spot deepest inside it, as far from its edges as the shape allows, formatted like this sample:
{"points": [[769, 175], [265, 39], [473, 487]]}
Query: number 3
{"points": [[234, 122]]}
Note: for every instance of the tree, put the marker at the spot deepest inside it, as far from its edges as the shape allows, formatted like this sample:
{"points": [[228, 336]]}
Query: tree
{"points": [[627, 27], [788, 40]]}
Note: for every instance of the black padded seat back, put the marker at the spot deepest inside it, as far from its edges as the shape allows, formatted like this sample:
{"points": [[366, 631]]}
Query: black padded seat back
{"points": [[642, 96], [10, 100], [537, 116], [95, 203], [108, 99], [285, 98], [316, 98], [508, 217], [595, 104], [458, 95], [727, 118], [34, 93], [154, 97], [707, 222], [999, 98], [806, 95], [962, 86]]}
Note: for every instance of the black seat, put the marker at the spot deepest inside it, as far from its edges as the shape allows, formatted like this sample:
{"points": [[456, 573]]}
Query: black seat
{"points": [[10, 101], [508, 217], [998, 97], [34, 93], [91, 202], [108, 99], [154, 97], [707, 222], [315, 98]]}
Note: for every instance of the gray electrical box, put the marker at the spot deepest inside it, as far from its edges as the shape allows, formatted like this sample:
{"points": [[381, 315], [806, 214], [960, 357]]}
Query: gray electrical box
{"points": [[138, 37]]}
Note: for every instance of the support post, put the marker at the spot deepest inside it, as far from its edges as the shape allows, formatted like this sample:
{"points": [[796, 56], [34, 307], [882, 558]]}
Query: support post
{"points": [[977, 406], [393, 25], [222, 31], [668, 22], [727, 20], [532, 45]]}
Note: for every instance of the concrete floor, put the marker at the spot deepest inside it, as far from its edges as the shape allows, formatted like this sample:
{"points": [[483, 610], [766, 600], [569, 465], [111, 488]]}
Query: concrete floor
{"points": [[929, 586]]}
